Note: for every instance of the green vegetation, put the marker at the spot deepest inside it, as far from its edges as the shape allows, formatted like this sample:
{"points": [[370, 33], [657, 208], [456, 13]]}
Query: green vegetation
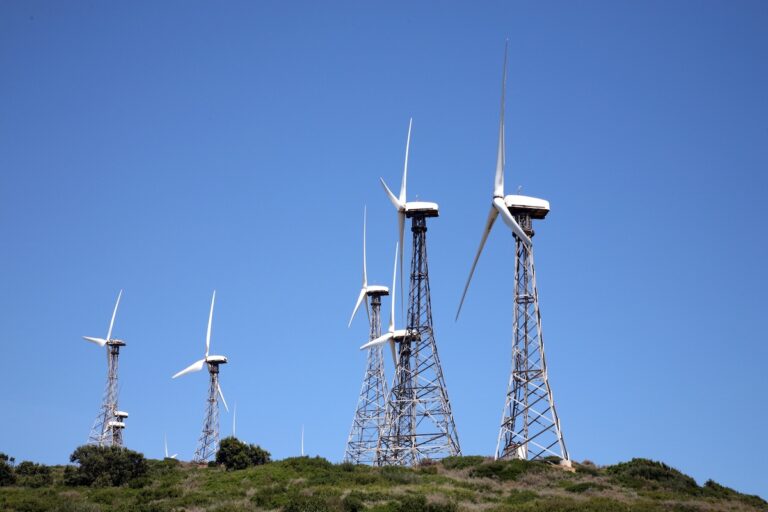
{"points": [[305, 484], [234, 454]]}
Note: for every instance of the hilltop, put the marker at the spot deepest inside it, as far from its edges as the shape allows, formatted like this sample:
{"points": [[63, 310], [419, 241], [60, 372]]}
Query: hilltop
{"points": [[304, 484]]}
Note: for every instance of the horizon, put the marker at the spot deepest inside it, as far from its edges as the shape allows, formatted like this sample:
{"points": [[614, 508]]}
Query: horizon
{"points": [[174, 149]]}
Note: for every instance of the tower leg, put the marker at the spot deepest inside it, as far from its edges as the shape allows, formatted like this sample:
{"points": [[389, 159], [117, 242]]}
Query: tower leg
{"points": [[208, 444], [364, 437], [530, 427], [101, 433], [419, 420]]}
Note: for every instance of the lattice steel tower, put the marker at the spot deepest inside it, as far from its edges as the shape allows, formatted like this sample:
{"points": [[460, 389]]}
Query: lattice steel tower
{"points": [[107, 427], [368, 422], [419, 419], [530, 426], [208, 443]]}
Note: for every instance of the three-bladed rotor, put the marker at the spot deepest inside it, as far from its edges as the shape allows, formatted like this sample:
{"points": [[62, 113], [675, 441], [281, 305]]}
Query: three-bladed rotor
{"points": [[392, 335], [366, 289], [198, 365], [498, 204], [103, 341]]}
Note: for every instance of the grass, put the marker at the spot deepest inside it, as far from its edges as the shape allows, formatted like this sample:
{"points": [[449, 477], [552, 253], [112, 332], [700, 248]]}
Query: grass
{"points": [[303, 484]]}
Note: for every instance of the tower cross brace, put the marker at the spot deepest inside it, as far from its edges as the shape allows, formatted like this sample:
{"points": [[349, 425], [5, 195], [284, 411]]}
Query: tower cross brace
{"points": [[102, 434], [208, 443], [530, 426], [420, 423], [363, 444]]}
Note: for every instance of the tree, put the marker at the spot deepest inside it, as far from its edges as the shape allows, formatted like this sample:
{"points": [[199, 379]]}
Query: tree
{"points": [[105, 466], [6, 471], [235, 454], [33, 475]]}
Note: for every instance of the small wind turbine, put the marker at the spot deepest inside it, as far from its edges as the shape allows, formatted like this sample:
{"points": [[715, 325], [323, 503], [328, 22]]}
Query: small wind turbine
{"points": [[366, 288], [106, 430], [103, 341], [392, 336], [302, 440], [165, 444], [209, 439]]}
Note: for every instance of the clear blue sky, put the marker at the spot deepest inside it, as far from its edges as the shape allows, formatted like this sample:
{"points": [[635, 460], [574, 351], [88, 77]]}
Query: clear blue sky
{"points": [[170, 148]]}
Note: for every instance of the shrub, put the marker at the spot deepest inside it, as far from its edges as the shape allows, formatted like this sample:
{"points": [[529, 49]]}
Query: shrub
{"points": [[300, 503], [30, 474], [353, 502], [502, 469], [715, 490], [645, 473], [235, 454], [462, 461], [6, 471], [583, 487], [103, 466]]}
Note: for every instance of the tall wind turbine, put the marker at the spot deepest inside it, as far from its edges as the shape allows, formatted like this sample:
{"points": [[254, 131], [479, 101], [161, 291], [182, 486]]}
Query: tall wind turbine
{"points": [[208, 443], [420, 421], [369, 420], [107, 428], [530, 427]]}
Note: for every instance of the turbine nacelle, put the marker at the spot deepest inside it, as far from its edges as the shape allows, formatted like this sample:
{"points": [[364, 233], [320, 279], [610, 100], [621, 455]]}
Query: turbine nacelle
{"points": [[533, 206], [376, 289]]}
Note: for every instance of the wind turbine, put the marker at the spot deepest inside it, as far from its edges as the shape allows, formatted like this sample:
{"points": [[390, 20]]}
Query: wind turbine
{"points": [[106, 428], [530, 426], [402, 205], [370, 414], [500, 204], [392, 335], [165, 445], [208, 443]]}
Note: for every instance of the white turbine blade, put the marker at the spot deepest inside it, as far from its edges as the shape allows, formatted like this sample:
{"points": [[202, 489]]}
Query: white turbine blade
{"points": [[174, 455], [99, 341], [401, 229], [114, 312], [194, 367], [218, 386], [365, 270], [357, 305], [394, 351], [486, 231], [378, 341], [210, 320], [405, 166], [394, 285], [498, 185], [510, 221], [394, 200], [165, 444]]}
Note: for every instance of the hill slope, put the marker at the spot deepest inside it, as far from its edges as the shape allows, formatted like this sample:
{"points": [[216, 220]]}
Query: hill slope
{"points": [[456, 484]]}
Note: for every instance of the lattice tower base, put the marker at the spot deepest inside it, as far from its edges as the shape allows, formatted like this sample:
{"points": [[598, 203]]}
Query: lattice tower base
{"points": [[530, 426], [363, 444], [420, 423], [208, 443]]}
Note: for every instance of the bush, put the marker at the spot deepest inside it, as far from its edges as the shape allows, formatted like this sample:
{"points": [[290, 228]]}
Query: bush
{"points": [[6, 471], [235, 454], [715, 490], [30, 474], [300, 503], [502, 469], [645, 473], [462, 461], [104, 466]]}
